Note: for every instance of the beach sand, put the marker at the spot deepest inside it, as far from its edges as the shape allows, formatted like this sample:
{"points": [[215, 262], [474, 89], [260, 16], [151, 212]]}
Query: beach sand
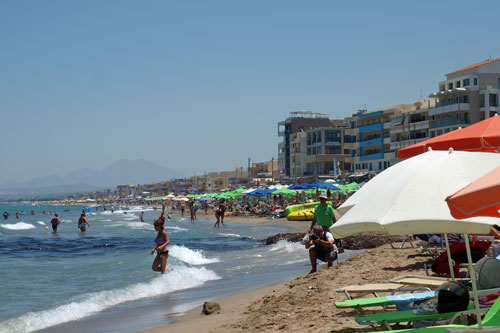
{"points": [[293, 306]]}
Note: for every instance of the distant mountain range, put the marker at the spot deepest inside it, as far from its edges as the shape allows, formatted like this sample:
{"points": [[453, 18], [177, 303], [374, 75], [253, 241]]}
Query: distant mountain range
{"points": [[87, 180]]}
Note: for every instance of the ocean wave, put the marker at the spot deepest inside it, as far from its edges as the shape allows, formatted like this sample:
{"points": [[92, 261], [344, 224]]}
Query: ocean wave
{"points": [[88, 304], [140, 225], [18, 226], [175, 228], [41, 222], [191, 257], [289, 247], [229, 235]]}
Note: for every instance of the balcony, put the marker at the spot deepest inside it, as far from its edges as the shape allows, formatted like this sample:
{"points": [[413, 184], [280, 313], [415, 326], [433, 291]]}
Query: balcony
{"points": [[373, 142], [447, 122], [449, 108], [372, 156], [332, 143]]}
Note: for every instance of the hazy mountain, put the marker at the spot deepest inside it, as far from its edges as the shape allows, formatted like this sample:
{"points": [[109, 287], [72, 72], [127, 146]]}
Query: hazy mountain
{"points": [[83, 180]]}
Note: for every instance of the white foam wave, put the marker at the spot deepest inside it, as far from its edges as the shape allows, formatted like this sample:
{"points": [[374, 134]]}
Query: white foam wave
{"points": [[106, 220], [67, 221], [289, 247], [18, 226], [191, 257], [229, 234], [40, 222], [140, 225], [175, 228], [85, 305]]}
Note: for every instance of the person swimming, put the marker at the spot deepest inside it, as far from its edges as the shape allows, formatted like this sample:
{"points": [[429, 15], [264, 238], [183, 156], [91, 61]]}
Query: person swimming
{"points": [[82, 223]]}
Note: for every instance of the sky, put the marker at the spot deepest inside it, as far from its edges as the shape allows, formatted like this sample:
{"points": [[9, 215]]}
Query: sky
{"points": [[201, 85]]}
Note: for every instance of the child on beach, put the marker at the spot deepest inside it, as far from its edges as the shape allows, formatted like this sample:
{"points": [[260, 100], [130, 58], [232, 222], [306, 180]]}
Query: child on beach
{"points": [[162, 240]]}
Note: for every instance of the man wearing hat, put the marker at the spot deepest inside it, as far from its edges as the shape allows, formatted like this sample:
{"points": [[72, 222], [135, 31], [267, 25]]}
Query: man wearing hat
{"points": [[323, 214]]}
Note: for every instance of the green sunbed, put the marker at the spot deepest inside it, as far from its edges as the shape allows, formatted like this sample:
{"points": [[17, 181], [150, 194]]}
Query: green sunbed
{"points": [[491, 319], [386, 318], [364, 302]]}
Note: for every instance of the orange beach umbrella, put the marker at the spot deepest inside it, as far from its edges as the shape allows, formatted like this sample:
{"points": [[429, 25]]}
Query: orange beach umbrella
{"points": [[482, 136], [479, 198]]}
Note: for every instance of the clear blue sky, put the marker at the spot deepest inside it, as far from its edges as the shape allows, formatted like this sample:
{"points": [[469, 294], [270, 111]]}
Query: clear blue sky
{"points": [[201, 85]]}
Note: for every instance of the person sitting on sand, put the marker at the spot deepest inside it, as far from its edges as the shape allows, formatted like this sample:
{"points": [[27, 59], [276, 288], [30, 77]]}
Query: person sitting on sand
{"points": [[162, 240], [324, 248], [82, 223]]}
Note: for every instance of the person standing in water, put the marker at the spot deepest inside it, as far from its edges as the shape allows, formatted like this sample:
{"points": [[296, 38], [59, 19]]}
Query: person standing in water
{"points": [[162, 240], [142, 216], [82, 223], [55, 222]]}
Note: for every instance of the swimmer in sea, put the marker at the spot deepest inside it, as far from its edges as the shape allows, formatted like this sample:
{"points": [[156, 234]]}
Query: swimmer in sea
{"points": [[82, 223], [55, 222], [162, 240]]}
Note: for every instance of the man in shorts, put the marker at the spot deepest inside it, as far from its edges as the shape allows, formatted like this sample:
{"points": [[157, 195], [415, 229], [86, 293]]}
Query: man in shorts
{"points": [[324, 248]]}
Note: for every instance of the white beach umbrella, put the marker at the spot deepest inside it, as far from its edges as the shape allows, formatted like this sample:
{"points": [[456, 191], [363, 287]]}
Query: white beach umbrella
{"points": [[408, 198], [331, 181]]}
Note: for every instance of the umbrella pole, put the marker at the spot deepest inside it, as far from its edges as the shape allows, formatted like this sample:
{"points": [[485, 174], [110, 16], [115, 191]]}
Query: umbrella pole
{"points": [[473, 279], [450, 261]]}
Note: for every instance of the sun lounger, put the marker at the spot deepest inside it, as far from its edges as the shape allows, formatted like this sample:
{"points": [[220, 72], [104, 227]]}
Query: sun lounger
{"points": [[356, 291], [491, 320], [387, 300], [422, 281], [386, 318], [360, 303]]}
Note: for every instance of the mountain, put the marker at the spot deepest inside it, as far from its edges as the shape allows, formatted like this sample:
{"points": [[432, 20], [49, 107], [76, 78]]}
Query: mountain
{"points": [[119, 173]]}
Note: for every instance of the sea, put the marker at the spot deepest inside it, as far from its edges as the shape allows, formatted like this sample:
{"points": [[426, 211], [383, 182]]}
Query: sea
{"points": [[102, 280]]}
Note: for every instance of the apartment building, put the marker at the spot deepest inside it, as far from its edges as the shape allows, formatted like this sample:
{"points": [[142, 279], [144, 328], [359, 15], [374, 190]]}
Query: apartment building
{"points": [[299, 121], [369, 138], [468, 95], [411, 126]]}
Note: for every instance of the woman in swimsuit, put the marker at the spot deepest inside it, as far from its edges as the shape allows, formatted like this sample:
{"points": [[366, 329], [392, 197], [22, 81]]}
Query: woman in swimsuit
{"points": [[82, 222], [162, 240]]}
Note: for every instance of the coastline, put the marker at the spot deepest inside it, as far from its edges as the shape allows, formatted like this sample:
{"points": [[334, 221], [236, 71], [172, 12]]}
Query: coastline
{"points": [[291, 305]]}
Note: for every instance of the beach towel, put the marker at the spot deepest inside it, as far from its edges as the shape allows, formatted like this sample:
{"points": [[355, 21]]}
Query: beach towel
{"points": [[403, 301]]}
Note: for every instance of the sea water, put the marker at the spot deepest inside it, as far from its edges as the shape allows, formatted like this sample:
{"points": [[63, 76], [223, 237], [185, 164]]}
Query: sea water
{"points": [[99, 280]]}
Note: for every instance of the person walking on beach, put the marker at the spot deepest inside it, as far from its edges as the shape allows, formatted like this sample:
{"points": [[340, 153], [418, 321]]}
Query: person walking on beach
{"points": [[82, 223], [162, 241], [219, 215], [183, 207], [323, 214], [55, 222], [324, 248], [191, 209]]}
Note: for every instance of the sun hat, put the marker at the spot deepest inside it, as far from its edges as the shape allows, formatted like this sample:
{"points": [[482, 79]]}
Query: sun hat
{"points": [[323, 196]]}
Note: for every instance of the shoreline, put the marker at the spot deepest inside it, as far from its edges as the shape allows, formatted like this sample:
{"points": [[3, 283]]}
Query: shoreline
{"points": [[291, 305]]}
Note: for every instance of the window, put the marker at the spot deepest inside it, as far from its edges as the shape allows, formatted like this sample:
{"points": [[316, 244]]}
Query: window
{"points": [[466, 82], [475, 81], [450, 85], [457, 84]]}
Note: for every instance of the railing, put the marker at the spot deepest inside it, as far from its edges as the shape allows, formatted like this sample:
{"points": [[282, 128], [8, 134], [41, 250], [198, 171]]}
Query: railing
{"points": [[447, 122]]}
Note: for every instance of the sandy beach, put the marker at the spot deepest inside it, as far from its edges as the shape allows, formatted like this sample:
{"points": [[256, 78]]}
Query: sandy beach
{"points": [[295, 307]]}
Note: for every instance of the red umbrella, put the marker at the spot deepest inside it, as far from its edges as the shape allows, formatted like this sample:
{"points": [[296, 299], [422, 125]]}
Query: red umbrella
{"points": [[481, 136], [479, 198]]}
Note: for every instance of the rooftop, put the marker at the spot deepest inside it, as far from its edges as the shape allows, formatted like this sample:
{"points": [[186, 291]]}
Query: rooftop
{"points": [[479, 64], [308, 114]]}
